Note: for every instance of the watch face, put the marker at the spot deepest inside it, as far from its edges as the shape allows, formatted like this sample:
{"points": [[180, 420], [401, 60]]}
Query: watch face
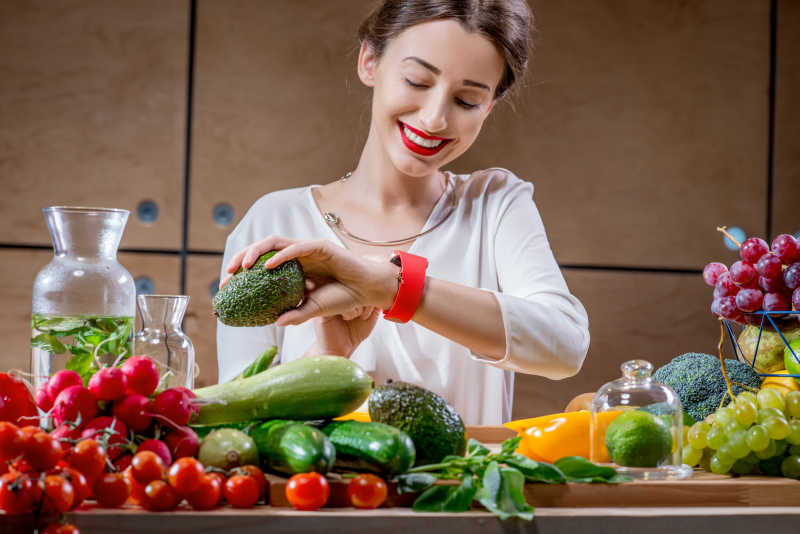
{"points": [[396, 260]]}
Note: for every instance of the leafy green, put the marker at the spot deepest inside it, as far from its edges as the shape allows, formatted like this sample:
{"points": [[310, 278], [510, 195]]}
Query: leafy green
{"points": [[579, 469], [502, 493], [456, 498], [414, 482]]}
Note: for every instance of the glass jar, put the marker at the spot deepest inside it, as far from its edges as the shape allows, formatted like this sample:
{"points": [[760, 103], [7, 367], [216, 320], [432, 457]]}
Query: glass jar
{"points": [[637, 425], [163, 340], [84, 301]]}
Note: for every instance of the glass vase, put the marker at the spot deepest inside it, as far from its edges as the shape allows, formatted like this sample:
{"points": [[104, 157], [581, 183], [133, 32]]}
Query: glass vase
{"points": [[162, 339], [84, 301]]}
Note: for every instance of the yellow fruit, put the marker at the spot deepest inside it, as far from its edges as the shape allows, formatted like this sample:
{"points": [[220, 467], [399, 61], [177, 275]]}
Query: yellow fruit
{"points": [[784, 384]]}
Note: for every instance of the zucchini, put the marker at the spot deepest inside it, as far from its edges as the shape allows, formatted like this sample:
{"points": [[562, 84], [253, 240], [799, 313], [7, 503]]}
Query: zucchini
{"points": [[293, 447], [318, 387], [204, 430], [371, 446]]}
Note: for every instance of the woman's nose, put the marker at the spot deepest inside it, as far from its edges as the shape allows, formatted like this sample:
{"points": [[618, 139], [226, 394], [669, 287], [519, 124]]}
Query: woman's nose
{"points": [[433, 116]]}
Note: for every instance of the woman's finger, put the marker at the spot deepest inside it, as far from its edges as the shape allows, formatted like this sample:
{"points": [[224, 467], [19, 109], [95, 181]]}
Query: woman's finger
{"points": [[246, 257], [299, 249], [225, 281]]}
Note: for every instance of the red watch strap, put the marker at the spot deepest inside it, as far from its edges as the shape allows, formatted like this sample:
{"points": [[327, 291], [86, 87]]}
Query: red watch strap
{"points": [[409, 291]]}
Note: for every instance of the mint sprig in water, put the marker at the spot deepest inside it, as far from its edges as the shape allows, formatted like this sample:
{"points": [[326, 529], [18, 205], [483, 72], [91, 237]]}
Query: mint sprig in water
{"points": [[495, 480]]}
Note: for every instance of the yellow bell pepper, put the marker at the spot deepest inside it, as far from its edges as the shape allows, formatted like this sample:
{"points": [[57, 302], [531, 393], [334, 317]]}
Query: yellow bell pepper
{"points": [[362, 417]]}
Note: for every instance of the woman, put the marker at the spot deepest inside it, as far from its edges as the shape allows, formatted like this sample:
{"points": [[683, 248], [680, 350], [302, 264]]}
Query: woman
{"points": [[492, 300]]}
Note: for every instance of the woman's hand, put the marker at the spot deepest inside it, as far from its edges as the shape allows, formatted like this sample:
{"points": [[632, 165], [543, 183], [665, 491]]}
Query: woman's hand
{"points": [[341, 334]]}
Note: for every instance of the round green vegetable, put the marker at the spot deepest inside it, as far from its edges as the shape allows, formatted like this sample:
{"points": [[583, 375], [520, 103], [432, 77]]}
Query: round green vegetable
{"points": [[227, 448]]}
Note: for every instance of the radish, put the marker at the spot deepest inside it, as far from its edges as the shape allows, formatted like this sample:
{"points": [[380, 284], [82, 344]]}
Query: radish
{"points": [[174, 405], [157, 446], [109, 384], [133, 411], [73, 402], [68, 434], [43, 398], [182, 442], [121, 463], [191, 396], [111, 441], [61, 381], [142, 375]]}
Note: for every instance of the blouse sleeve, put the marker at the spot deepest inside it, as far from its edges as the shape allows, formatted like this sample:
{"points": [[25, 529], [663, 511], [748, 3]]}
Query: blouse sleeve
{"points": [[237, 347], [546, 327]]}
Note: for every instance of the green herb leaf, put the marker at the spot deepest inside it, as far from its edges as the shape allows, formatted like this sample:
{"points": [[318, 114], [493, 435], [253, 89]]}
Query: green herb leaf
{"points": [[261, 363], [81, 363], [414, 482], [59, 324], [49, 343], [510, 445], [447, 498], [476, 448], [578, 467], [536, 471], [502, 493]]}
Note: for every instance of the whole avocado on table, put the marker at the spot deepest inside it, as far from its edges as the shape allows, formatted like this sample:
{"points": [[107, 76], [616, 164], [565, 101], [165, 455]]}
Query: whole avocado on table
{"points": [[258, 296], [432, 424]]}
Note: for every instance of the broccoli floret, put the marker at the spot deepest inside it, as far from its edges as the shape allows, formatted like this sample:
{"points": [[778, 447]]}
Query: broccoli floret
{"points": [[697, 380]]}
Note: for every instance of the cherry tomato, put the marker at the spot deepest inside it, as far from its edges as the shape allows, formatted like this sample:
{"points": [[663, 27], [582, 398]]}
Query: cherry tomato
{"points": [[22, 465], [159, 496], [42, 451], [137, 490], [241, 491], [111, 490], [64, 433], [79, 484], [10, 441], [307, 491], [88, 457], [59, 528], [18, 493], [367, 491], [206, 494], [258, 475], [147, 466], [219, 476], [58, 495], [185, 474]]}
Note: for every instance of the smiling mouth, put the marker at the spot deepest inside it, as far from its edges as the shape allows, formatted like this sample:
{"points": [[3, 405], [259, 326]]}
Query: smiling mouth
{"points": [[420, 143]]}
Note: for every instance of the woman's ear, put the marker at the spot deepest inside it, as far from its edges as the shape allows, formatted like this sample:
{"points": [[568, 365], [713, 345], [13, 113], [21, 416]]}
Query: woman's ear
{"points": [[367, 63]]}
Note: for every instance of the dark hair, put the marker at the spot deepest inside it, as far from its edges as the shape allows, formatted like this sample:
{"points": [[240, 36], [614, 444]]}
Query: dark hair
{"points": [[507, 23]]}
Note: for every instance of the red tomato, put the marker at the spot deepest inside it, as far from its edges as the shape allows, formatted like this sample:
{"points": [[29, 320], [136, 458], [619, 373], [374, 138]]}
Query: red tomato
{"points": [[147, 466], [367, 491], [16, 402], [88, 457], [58, 495], [137, 490], [79, 484], [307, 491], [18, 493], [111, 490], [58, 528], [206, 494], [159, 496], [64, 434], [184, 475], [42, 451], [241, 491], [10, 441], [258, 475]]}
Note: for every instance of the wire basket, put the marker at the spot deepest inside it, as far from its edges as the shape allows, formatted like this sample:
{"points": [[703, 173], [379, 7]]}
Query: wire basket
{"points": [[777, 320]]}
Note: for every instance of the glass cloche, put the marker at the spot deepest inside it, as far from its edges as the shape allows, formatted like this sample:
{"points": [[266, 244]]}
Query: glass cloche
{"points": [[637, 425]]}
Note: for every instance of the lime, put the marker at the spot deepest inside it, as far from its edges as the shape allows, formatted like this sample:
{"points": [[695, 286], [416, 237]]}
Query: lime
{"points": [[638, 439], [789, 361]]}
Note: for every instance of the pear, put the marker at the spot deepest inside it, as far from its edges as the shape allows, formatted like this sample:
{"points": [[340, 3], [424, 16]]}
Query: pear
{"points": [[770, 348]]}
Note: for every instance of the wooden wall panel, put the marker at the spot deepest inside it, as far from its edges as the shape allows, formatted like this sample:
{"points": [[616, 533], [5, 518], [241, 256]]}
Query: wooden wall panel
{"points": [[786, 183], [277, 103], [19, 269], [201, 325], [643, 126], [92, 112], [649, 316]]}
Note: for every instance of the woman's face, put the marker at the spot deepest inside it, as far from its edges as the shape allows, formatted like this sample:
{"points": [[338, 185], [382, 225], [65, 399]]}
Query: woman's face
{"points": [[433, 88]]}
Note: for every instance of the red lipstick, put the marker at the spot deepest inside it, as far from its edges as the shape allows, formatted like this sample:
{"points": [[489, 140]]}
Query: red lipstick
{"points": [[418, 149]]}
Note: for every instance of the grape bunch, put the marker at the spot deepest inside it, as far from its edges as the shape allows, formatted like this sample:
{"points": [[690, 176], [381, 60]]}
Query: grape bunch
{"points": [[757, 433], [764, 279]]}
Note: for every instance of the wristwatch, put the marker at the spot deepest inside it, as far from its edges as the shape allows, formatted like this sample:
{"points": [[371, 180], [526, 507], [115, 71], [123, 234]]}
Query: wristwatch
{"points": [[411, 284]]}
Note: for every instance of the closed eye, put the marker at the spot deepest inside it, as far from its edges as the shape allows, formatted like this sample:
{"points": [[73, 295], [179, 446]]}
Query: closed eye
{"points": [[460, 102], [415, 85]]}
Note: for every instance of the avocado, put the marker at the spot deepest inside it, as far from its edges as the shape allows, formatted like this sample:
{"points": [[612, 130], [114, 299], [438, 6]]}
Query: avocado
{"points": [[433, 425], [258, 296]]}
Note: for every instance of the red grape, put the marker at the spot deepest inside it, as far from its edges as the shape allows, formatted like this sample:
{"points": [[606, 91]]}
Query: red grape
{"points": [[796, 299], [771, 285], [725, 286], [769, 266], [752, 249], [791, 276], [712, 271], [786, 248], [743, 273], [749, 300], [776, 302], [715, 307], [728, 309]]}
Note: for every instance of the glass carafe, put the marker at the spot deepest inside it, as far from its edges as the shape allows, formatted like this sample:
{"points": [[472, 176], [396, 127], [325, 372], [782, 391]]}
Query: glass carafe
{"points": [[163, 340], [84, 301]]}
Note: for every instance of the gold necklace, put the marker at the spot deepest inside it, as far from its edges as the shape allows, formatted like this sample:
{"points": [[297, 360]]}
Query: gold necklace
{"points": [[335, 222]]}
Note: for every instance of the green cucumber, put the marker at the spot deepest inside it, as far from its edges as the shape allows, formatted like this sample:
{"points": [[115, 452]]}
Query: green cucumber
{"points": [[292, 447], [318, 387], [371, 446]]}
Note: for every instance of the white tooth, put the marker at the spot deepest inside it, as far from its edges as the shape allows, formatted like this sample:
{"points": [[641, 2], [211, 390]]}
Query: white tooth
{"points": [[427, 143]]}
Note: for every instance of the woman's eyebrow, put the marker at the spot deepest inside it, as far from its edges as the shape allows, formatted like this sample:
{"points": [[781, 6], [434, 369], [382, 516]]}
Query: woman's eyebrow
{"points": [[436, 70]]}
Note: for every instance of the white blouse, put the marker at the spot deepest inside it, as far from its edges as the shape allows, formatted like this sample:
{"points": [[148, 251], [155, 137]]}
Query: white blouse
{"points": [[493, 240]]}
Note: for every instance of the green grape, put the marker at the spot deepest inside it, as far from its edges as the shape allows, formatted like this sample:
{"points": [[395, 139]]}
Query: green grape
{"points": [[692, 456], [732, 427], [697, 435], [705, 461], [685, 434], [757, 438], [716, 437], [766, 413], [724, 415], [794, 435], [777, 427], [745, 412], [794, 450], [767, 452], [711, 419], [780, 447], [792, 400], [790, 467], [726, 454], [742, 467], [752, 458], [719, 465], [737, 445], [747, 395], [770, 398]]}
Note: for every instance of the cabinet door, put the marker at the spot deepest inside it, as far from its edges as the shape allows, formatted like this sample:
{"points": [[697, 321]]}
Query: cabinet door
{"points": [[277, 104], [93, 114], [202, 279], [643, 125], [648, 316]]}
